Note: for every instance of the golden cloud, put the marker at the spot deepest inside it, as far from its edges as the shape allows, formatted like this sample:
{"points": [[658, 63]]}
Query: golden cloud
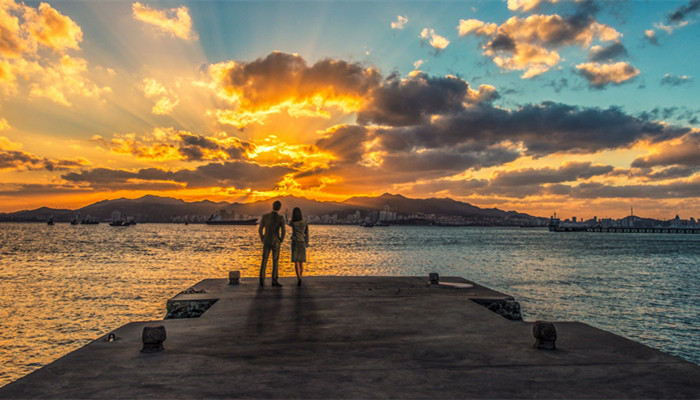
{"points": [[13, 158], [283, 82], [175, 21], [436, 41], [166, 99], [66, 77], [401, 21], [530, 44], [55, 76], [52, 29], [599, 75]]}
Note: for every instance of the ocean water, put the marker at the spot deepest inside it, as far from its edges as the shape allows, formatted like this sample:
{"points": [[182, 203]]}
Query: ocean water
{"points": [[62, 286]]}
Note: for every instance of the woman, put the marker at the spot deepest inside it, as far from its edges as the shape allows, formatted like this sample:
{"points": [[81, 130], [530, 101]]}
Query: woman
{"points": [[300, 240]]}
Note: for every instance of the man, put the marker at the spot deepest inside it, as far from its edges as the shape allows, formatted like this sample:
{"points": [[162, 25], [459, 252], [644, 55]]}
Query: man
{"points": [[271, 231]]}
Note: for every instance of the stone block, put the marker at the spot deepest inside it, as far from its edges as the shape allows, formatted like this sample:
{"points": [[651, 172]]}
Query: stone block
{"points": [[234, 277], [545, 334], [153, 338]]}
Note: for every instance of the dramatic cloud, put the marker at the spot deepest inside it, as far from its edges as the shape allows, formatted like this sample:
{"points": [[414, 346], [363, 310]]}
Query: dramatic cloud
{"points": [[12, 158], [401, 21], [600, 75], [675, 80], [284, 82], [531, 44], [27, 72], [609, 53], [52, 29], [23, 29], [175, 21], [684, 12], [541, 129], [238, 174], [344, 142], [436, 41], [417, 98], [569, 172], [165, 144], [682, 151]]}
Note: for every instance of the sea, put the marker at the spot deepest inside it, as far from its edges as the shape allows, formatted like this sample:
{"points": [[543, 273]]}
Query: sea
{"points": [[62, 286]]}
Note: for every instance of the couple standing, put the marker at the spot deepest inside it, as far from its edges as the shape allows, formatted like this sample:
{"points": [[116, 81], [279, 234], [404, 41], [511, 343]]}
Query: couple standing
{"points": [[271, 231]]}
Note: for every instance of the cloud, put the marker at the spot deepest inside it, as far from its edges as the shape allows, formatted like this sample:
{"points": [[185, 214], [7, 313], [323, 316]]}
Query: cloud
{"points": [[524, 5], [673, 173], [572, 171], [27, 72], [166, 144], [344, 142], [612, 52], [531, 44], [12, 158], [175, 21], [675, 80], [684, 12], [682, 151], [166, 100], [237, 174], [401, 21], [687, 189], [600, 75], [650, 36], [52, 29], [416, 99], [284, 82], [62, 79], [436, 41], [539, 129]]}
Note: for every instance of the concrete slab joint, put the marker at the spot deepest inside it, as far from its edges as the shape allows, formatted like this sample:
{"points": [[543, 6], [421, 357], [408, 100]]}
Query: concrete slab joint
{"points": [[506, 308], [194, 308]]}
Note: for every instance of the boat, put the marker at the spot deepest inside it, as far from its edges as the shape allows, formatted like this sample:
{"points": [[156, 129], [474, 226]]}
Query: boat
{"points": [[122, 222], [553, 223], [50, 221], [252, 221]]}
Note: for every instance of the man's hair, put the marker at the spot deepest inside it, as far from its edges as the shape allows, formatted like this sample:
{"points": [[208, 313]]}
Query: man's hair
{"points": [[277, 205]]}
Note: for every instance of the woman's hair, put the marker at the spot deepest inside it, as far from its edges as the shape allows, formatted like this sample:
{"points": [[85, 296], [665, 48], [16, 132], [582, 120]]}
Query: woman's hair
{"points": [[296, 214]]}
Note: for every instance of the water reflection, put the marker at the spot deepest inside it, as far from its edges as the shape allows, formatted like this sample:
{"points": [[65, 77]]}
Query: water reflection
{"points": [[63, 285]]}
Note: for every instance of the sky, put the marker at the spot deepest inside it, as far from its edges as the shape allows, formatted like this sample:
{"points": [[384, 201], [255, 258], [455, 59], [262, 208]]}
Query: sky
{"points": [[584, 108]]}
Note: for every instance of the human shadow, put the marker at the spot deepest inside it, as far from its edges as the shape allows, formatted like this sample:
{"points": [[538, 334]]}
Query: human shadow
{"points": [[306, 324], [264, 311]]}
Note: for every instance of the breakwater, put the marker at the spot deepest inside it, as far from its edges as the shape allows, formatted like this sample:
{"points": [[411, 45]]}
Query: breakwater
{"points": [[357, 337]]}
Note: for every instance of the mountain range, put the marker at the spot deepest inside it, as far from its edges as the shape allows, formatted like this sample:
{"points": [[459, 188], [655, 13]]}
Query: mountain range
{"points": [[165, 209]]}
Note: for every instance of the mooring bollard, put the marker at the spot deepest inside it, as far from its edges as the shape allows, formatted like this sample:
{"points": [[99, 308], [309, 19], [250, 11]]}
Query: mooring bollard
{"points": [[434, 278], [545, 334], [234, 277], [153, 338]]}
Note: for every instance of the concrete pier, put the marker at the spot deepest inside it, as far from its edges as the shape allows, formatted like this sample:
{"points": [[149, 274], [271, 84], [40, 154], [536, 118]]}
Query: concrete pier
{"points": [[357, 337]]}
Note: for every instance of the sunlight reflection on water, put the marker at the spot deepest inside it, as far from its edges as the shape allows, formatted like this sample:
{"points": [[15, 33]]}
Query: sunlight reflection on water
{"points": [[62, 286]]}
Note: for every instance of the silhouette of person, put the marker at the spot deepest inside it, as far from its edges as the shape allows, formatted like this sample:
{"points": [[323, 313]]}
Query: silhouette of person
{"points": [[300, 240], [271, 231]]}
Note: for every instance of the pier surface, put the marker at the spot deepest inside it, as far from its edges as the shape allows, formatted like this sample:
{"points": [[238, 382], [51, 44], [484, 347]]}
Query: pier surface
{"points": [[357, 337]]}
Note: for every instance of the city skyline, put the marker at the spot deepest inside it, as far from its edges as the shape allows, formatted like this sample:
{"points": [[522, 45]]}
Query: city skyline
{"points": [[584, 108]]}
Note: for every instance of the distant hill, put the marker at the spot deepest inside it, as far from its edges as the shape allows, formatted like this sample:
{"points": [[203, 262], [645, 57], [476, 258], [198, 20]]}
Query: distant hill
{"points": [[444, 206], [165, 209]]}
